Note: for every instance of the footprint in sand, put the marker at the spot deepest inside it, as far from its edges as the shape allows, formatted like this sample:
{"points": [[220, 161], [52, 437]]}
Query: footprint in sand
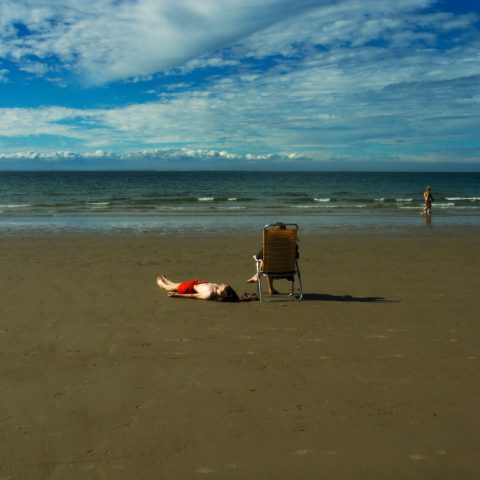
{"points": [[205, 470], [417, 456], [208, 470], [301, 453], [330, 452]]}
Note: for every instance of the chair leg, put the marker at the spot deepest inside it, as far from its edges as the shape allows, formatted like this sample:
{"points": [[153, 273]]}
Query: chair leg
{"points": [[259, 278], [259, 288], [299, 282], [292, 293]]}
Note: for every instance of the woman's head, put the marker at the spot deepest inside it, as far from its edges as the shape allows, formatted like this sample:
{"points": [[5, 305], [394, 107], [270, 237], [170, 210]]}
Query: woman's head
{"points": [[228, 294]]}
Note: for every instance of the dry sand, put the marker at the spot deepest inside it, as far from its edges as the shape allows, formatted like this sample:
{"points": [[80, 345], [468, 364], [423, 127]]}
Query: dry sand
{"points": [[375, 375]]}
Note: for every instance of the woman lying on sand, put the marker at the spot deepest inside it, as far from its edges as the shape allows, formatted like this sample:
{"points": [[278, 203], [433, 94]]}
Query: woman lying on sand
{"points": [[201, 290]]}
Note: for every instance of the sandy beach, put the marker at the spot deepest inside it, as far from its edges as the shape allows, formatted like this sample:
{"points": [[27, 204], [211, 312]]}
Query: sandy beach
{"points": [[375, 375]]}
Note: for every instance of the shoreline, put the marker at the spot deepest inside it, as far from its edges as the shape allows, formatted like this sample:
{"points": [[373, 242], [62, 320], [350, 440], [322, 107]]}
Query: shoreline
{"points": [[237, 224]]}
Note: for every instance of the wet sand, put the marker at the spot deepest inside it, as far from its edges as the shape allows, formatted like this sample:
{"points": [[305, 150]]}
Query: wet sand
{"points": [[373, 376]]}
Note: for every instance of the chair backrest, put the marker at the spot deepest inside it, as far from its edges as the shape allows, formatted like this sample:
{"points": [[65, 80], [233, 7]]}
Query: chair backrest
{"points": [[280, 248]]}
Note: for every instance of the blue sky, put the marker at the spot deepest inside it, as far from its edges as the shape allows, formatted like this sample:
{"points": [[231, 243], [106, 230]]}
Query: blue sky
{"points": [[240, 84]]}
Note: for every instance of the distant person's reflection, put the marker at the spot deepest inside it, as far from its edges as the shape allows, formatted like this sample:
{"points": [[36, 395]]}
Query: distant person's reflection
{"points": [[428, 219]]}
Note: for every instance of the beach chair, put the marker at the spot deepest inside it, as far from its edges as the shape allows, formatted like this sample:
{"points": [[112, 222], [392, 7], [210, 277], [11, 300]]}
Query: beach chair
{"points": [[279, 257]]}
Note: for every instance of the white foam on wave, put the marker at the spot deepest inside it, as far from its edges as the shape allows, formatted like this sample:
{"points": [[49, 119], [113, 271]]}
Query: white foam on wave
{"points": [[231, 208], [404, 199], [173, 208], [314, 206], [380, 199], [97, 205], [460, 199], [322, 199], [14, 205], [206, 199], [232, 199]]}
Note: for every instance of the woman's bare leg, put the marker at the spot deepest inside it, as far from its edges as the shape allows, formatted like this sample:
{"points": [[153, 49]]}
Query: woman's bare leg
{"points": [[271, 290], [166, 284], [253, 279], [166, 280]]}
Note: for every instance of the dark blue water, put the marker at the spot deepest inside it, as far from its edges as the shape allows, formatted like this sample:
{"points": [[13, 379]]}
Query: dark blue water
{"points": [[153, 200]]}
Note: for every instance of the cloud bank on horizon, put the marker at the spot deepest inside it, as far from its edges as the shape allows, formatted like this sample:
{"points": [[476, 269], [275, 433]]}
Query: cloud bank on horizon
{"points": [[239, 84]]}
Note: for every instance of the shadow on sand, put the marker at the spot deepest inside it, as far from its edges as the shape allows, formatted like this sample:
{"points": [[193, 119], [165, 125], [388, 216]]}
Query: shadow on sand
{"points": [[323, 297]]}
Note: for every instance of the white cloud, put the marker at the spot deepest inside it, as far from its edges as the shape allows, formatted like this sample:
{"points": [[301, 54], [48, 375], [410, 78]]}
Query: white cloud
{"points": [[355, 23], [356, 77], [189, 158], [162, 158], [3, 75], [56, 121], [109, 40], [338, 100]]}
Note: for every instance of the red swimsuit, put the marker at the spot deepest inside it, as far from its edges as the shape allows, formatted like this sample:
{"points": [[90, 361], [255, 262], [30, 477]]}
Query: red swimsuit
{"points": [[189, 286]]}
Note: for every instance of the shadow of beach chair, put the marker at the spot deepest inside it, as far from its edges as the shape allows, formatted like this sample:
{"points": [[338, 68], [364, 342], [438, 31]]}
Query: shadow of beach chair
{"points": [[279, 257]]}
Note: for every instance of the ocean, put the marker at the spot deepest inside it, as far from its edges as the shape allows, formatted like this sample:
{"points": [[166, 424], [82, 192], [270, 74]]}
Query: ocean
{"points": [[163, 202]]}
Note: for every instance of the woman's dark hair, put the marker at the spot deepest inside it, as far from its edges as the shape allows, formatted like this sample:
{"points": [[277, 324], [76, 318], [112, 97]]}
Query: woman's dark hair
{"points": [[228, 295]]}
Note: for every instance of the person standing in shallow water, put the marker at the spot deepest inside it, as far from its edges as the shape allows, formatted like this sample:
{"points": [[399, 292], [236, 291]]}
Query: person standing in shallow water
{"points": [[427, 196]]}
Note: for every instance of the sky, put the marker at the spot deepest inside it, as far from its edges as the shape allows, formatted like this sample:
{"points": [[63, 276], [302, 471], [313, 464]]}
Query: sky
{"points": [[240, 84]]}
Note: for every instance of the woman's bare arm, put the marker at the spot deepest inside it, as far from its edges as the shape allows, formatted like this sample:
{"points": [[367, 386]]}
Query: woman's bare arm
{"points": [[197, 296], [185, 295]]}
